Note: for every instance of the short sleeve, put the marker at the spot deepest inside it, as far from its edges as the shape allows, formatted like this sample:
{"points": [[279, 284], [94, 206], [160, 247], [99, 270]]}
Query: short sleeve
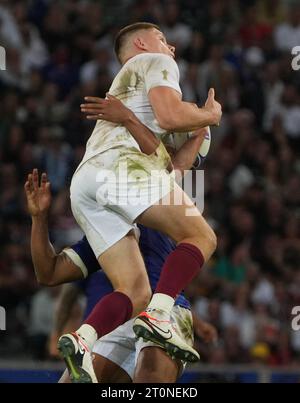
{"points": [[83, 256], [161, 71]]}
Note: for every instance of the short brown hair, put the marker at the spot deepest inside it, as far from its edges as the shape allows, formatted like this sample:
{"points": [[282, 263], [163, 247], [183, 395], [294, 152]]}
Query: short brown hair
{"points": [[122, 34]]}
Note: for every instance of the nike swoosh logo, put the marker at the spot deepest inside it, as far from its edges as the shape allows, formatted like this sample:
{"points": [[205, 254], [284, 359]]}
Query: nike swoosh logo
{"points": [[80, 348], [168, 333]]}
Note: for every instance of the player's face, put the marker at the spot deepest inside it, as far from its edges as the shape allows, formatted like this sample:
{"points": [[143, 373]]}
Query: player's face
{"points": [[156, 42]]}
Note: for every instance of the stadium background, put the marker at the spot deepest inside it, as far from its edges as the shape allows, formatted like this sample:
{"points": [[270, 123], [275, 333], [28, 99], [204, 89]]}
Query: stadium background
{"points": [[59, 51]]}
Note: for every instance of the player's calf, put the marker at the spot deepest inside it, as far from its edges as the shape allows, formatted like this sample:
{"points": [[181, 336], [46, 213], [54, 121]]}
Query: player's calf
{"points": [[154, 365]]}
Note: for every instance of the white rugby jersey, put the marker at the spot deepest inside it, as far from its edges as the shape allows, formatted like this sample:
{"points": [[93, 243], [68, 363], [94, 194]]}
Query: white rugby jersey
{"points": [[131, 85]]}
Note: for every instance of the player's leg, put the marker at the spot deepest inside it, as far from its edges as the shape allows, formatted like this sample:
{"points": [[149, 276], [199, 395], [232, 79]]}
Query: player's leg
{"points": [[133, 279], [124, 266], [178, 217], [110, 236], [109, 372], [196, 243], [154, 365], [118, 347]]}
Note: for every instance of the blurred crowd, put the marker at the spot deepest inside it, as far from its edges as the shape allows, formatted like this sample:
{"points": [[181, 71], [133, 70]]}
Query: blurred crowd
{"points": [[59, 51]]}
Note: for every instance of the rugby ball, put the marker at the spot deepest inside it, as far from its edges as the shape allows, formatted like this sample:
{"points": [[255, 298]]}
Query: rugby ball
{"points": [[181, 138]]}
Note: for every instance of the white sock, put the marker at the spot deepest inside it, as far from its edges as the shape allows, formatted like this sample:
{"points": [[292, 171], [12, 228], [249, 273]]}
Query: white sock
{"points": [[163, 302], [89, 334]]}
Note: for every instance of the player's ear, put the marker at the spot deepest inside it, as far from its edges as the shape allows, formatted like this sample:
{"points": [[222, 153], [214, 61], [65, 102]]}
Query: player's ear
{"points": [[140, 43]]}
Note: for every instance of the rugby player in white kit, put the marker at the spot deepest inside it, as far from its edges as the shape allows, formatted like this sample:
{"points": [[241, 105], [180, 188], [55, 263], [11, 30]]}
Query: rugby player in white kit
{"points": [[107, 202]]}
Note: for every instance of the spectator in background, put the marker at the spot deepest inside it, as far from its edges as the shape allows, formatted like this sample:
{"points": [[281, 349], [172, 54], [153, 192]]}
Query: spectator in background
{"points": [[271, 12], [177, 32], [41, 318], [56, 159], [288, 111], [103, 62], [287, 34], [216, 72], [253, 31]]}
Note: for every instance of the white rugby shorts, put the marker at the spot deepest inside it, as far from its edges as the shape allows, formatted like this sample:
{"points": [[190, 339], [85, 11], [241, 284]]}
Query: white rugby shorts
{"points": [[113, 188]]}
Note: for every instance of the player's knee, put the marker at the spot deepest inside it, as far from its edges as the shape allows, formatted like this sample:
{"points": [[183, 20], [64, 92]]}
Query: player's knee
{"points": [[139, 293], [155, 366], [142, 298], [211, 240], [207, 241]]}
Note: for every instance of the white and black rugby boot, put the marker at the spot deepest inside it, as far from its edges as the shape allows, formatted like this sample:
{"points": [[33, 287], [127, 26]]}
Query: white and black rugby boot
{"points": [[78, 358], [152, 325]]}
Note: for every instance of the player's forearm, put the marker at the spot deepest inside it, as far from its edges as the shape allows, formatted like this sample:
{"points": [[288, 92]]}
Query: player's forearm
{"points": [[42, 251], [185, 157], [144, 137], [187, 117]]}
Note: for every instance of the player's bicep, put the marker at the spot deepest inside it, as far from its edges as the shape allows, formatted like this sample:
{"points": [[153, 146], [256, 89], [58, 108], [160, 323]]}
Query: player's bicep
{"points": [[164, 102], [66, 270]]}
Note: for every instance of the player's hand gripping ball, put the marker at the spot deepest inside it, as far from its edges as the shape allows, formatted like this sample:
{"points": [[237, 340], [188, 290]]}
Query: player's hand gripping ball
{"points": [[180, 139]]}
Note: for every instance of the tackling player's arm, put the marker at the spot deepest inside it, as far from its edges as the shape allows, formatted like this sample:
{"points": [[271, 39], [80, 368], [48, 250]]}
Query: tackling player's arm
{"points": [[185, 157], [50, 268], [113, 110], [173, 114]]}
